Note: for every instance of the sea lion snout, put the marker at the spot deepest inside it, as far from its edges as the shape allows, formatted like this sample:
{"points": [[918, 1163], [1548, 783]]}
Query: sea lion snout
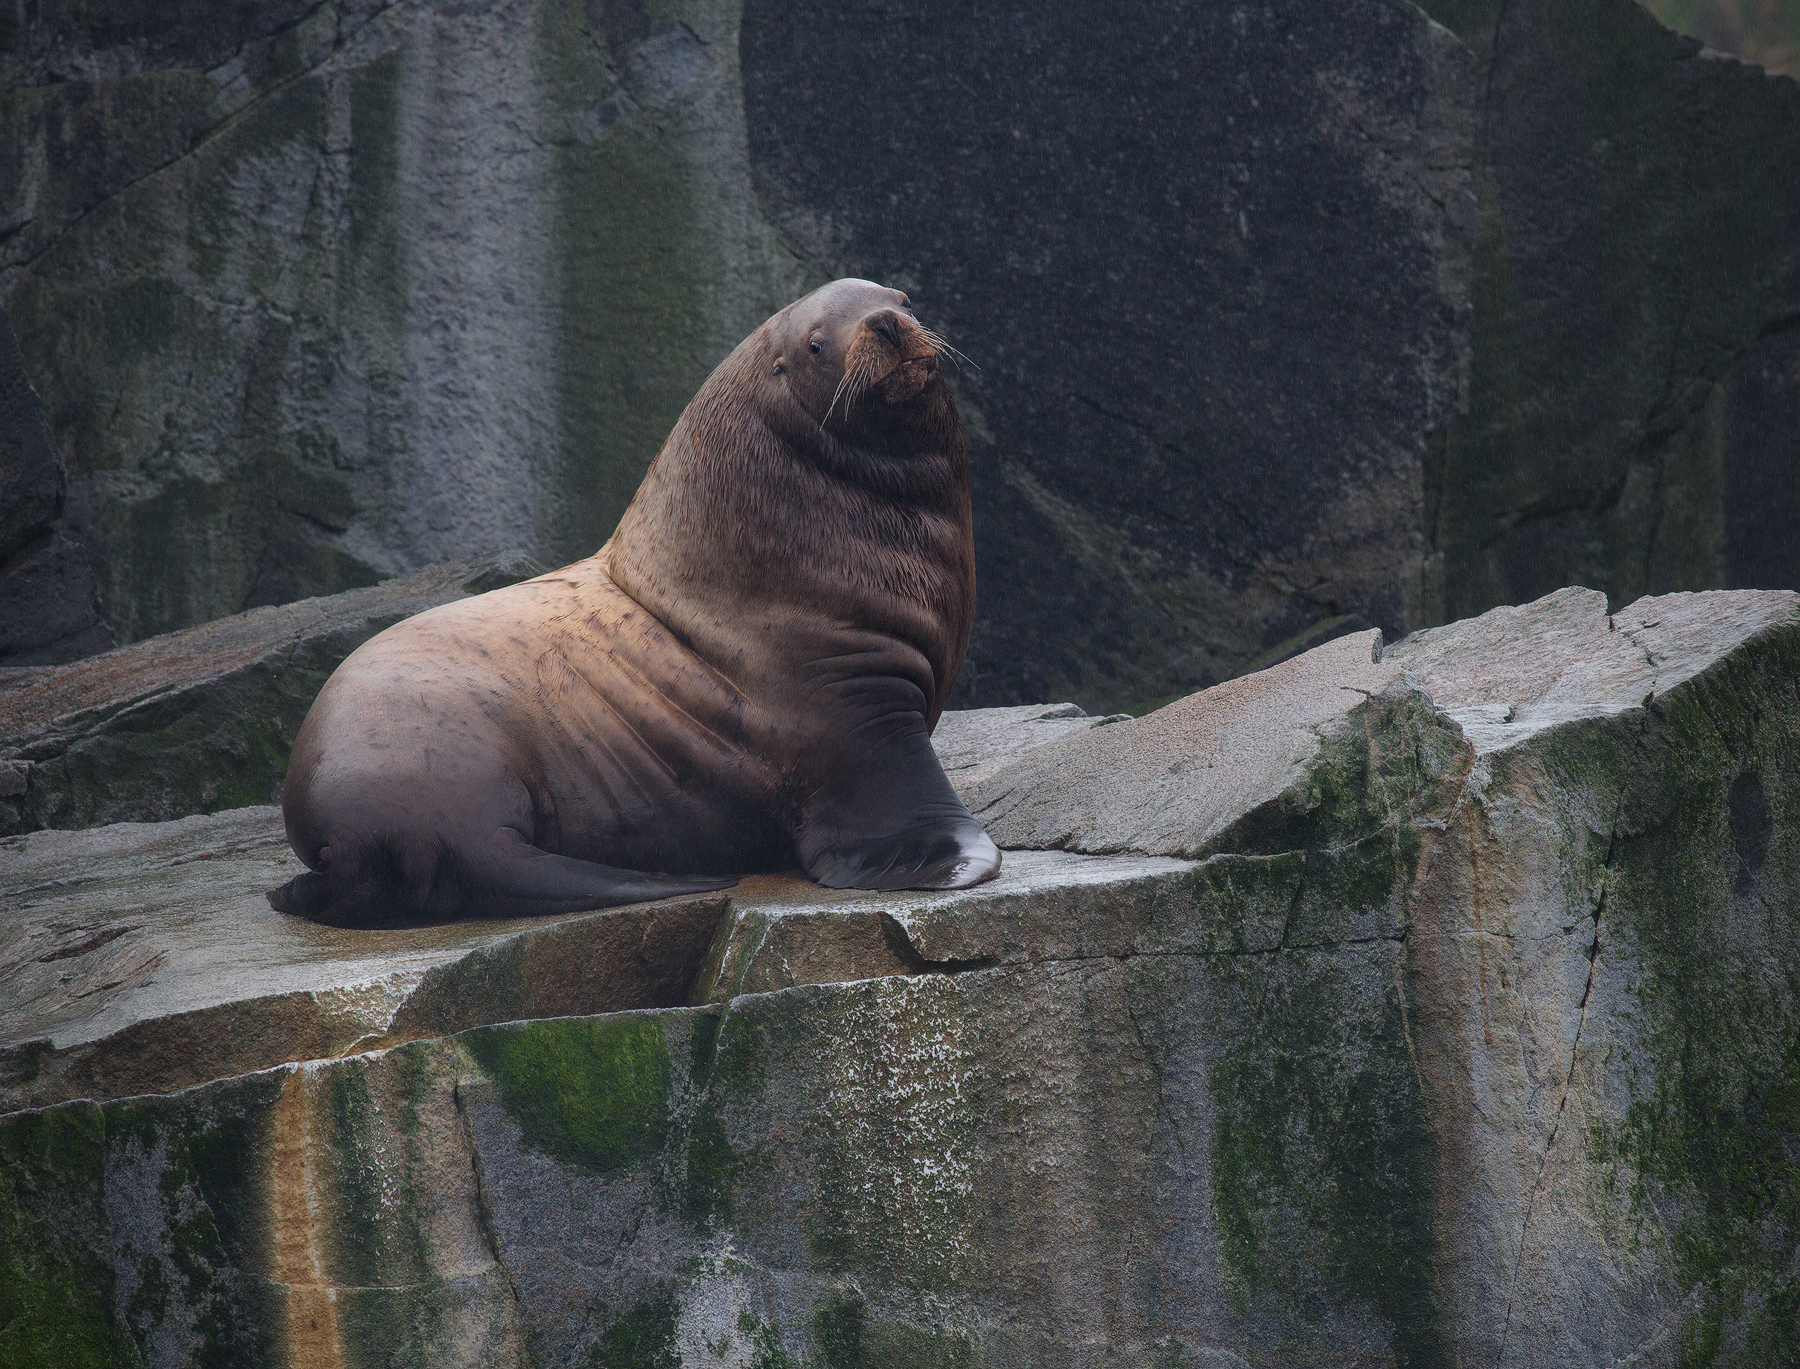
{"points": [[890, 356], [902, 334], [886, 325]]}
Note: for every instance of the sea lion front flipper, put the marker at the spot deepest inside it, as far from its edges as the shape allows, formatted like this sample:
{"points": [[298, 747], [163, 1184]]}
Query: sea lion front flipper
{"points": [[892, 821]]}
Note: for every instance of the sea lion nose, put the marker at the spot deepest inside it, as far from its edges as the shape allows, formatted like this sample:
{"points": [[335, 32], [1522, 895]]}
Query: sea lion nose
{"points": [[886, 325]]}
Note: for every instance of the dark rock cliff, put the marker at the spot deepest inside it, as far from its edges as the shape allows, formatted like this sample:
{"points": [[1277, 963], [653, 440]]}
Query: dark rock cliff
{"points": [[1284, 322]]}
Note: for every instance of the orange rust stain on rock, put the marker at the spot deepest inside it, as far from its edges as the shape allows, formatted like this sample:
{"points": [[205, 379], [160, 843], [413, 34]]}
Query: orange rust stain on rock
{"points": [[312, 1325]]}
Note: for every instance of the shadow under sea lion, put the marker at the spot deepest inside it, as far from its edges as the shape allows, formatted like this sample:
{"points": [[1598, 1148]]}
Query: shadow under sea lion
{"points": [[747, 673]]}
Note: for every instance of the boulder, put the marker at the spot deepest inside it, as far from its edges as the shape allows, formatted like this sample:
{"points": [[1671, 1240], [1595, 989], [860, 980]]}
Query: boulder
{"points": [[1438, 1007], [1179, 781], [388, 285], [198, 720], [1607, 933]]}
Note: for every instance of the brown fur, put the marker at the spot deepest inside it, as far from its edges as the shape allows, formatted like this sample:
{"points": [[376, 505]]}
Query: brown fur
{"points": [[743, 675]]}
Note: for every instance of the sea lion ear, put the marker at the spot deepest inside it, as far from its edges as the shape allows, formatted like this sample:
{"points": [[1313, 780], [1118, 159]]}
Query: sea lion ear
{"points": [[780, 365]]}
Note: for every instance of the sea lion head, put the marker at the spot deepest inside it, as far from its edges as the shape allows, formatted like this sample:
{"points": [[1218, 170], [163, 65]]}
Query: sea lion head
{"points": [[851, 345]]}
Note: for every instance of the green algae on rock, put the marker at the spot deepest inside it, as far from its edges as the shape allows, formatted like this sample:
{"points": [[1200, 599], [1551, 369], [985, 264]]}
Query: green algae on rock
{"points": [[593, 1092]]}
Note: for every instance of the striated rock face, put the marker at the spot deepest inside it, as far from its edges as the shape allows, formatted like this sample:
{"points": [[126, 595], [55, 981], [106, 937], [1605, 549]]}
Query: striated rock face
{"points": [[1608, 936], [199, 720], [1634, 389], [319, 294], [387, 285], [1432, 1004], [1588, 821], [47, 607]]}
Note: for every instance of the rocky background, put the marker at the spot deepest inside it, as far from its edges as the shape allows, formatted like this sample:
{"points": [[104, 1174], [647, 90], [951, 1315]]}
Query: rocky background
{"points": [[1633, 414], [1286, 321], [1425, 1002], [1766, 32]]}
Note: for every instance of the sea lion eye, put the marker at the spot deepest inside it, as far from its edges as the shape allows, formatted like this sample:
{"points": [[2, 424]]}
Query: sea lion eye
{"points": [[815, 346]]}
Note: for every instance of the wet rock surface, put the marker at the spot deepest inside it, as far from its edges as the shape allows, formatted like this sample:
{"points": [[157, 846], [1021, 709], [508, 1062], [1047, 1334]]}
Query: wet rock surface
{"points": [[1446, 1015], [199, 720]]}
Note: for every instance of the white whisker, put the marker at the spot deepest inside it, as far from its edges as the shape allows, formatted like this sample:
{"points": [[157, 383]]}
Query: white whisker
{"points": [[938, 344], [845, 380]]}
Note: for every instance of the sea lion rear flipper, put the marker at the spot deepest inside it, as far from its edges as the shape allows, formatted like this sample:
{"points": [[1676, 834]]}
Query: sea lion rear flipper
{"points": [[305, 895], [504, 876], [522, 879], [892, 821]]}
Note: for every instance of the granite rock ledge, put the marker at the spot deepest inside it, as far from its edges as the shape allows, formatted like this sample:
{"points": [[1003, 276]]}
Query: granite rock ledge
{"points": [[1432, 1003], [199, 720]]}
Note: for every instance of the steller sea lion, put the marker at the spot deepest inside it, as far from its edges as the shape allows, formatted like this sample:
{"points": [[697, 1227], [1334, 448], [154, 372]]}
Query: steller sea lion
{"points": [[746, 675]]}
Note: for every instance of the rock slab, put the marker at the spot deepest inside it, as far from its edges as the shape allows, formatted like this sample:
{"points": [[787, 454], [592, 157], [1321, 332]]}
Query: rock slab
{"points": [[1444, 1012]]}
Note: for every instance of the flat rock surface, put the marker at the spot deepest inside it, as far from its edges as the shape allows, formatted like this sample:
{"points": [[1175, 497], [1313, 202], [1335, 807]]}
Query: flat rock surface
{"points": [[119, 927], [34, 701], [135, 929], [1174, 781], [973, 743], [1513, 672]]}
